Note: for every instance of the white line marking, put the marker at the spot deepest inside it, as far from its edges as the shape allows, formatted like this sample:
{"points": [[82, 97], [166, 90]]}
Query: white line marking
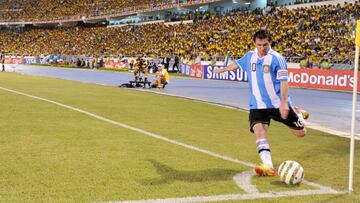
{"points": [[331, 131], [243, 180], [322, 190], [135, 129], [308, 124], [329, 189], [231, 197], [193, 99], [311, 125]]}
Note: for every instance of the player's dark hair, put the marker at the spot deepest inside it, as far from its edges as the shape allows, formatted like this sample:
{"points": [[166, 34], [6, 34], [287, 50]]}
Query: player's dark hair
{"points": [[262, 34]]}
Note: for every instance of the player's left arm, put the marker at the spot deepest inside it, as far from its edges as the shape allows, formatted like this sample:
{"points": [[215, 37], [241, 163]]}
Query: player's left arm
{"points": [[284, 106], [282, 76]]}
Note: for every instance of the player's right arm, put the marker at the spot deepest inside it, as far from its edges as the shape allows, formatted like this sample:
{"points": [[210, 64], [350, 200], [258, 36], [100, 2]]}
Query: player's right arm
{"points": [[230, 67]]}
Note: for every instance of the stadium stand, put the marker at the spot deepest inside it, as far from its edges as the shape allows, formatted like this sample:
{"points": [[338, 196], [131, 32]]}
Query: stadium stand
{"points": [[318, 33], [21, 10]]}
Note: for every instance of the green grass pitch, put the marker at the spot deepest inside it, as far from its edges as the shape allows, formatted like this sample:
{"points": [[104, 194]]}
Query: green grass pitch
{"points": [[52, 154]]}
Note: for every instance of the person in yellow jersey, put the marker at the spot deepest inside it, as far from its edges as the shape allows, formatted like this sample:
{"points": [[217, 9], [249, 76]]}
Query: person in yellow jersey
{"points": [[162, 77], [303, 63]]}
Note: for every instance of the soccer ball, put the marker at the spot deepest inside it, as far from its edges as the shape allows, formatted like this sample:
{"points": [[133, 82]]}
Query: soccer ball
{"points": [[291, 172]]}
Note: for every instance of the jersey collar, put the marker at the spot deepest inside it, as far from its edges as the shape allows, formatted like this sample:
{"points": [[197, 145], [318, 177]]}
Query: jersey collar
{"points": [[269, 52]]}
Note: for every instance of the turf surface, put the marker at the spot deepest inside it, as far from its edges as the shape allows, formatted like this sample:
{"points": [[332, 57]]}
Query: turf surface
{"points": [[52, 154]]}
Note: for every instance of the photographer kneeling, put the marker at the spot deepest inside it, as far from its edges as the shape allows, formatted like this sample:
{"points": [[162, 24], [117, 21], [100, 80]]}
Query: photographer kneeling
{"points": [[162, 77]]}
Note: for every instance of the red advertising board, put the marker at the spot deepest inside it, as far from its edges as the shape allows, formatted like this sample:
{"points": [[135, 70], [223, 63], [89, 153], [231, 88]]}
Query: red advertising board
{"points": [[8, 60], [197, 71], [322, 79], [14, 60], [111, 64]]}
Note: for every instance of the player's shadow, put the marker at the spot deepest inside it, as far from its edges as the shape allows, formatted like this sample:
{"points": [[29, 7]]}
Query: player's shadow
{"points": [[169, 175], [283, 185]]}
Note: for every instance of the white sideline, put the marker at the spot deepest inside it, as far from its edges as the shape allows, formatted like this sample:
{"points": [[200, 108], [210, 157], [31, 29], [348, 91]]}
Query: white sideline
{"points": [[243, 180], [253, 195], [308, 124], [230, 197], [135, 129]]}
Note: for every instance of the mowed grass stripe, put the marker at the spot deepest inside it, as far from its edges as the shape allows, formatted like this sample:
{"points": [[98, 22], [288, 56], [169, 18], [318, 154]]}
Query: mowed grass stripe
{"points": [[146, 133], [55, 155], [133, 128], [217, 129]]}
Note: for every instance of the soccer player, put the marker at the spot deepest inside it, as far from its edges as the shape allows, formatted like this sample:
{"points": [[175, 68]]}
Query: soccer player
{"points": [[268, 76]]}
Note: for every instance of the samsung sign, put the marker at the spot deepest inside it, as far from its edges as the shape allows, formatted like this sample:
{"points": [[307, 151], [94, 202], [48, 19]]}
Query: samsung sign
{"points": [[31, 60], [236, 75]]}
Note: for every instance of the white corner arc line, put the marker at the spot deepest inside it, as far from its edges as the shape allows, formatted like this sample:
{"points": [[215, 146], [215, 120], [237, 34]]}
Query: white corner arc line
{"points": [[322, 190], [243, 180]]}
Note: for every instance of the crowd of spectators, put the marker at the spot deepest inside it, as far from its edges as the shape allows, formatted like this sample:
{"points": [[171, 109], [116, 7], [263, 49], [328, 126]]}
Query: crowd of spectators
{"points": [[18, 10], [307, 1], [318, 33]]}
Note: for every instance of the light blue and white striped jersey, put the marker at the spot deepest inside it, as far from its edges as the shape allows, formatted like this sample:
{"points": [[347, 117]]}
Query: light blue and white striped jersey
{"points": [[265, 75]]}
